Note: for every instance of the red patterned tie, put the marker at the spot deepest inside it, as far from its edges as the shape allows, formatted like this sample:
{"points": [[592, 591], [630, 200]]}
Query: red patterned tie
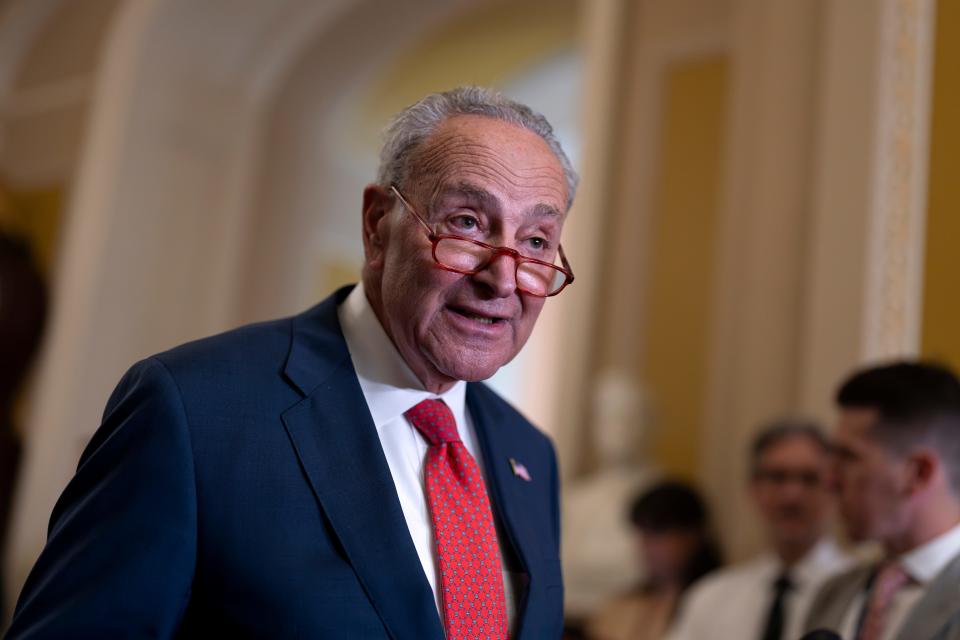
{"points": [[470, 575], [890, 579]]}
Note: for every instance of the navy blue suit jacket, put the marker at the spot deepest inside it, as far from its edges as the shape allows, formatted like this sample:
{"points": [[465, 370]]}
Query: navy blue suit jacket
{"points": [[237, 488]]}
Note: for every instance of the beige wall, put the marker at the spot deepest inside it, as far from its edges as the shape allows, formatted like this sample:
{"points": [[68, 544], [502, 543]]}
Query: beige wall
{"points": [[682, 247]]}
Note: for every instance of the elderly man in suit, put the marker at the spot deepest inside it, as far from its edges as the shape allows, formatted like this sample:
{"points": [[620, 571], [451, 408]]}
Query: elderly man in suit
{"points": [[341, 473], [898, 478]]}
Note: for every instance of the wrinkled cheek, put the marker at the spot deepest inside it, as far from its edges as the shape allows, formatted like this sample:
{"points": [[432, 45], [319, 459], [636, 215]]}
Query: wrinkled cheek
{"points": [[482, 358]]}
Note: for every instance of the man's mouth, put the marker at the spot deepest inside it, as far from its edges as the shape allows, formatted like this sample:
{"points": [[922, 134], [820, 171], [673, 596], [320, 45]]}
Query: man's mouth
{"points": [[482, 318]]}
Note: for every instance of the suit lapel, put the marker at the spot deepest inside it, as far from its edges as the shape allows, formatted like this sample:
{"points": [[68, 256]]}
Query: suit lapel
{"points": [[835, 598], [504, 486], [342, 458], [939, 604]]}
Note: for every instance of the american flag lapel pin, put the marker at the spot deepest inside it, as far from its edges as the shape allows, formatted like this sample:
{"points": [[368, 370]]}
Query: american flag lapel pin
{"points": [[520, 471]]}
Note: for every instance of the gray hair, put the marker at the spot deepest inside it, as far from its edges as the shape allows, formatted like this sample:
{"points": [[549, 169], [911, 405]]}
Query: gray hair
{"points": [[782, 429], [413, 125]]}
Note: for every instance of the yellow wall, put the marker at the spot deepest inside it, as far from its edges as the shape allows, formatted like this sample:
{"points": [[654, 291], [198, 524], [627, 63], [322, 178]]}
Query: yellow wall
{"points": [[684, 226], [941, 307]]}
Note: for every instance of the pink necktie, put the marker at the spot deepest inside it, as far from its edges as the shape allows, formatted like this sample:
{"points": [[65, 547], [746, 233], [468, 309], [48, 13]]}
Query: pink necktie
{"points": [[890, 579], [467, 550]]}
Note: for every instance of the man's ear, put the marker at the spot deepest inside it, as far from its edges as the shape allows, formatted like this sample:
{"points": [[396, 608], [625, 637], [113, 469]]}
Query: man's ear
{"points": [[923, 465], [377, 203]]}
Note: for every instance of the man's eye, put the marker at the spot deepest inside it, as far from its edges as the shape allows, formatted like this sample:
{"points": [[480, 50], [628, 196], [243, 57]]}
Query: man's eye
{"points": [[538, 244], [464, 222]]}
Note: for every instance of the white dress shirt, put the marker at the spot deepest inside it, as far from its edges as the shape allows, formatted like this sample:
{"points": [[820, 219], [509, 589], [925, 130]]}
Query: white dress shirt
{"points": [[734, 603], [390, 388], [922, 565]]}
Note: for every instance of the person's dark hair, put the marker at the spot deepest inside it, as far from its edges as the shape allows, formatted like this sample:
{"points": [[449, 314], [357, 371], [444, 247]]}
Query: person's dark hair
{"points": [[916, 403], [672, 505], [784, 429]]}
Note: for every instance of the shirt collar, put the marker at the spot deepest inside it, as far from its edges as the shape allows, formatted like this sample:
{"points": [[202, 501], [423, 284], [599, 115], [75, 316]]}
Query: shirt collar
{"points": [[926, 561], [389, 385], [824, 556]]}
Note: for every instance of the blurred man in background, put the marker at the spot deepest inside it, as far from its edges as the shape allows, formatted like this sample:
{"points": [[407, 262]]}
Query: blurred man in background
{"points": [[767, 598], [333, 475], [897, 447]]}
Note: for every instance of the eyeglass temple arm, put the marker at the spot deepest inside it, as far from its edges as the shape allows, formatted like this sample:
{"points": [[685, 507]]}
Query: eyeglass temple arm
{"points": [[565, 262], [410, 208]]}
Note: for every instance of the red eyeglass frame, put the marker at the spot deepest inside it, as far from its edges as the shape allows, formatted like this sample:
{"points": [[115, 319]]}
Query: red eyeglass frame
{"points": [[518, 258]]}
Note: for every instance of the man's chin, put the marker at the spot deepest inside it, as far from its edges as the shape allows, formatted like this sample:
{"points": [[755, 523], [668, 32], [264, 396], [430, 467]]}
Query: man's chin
{"points": [[856, 534], [468, 369], [473, 374]]}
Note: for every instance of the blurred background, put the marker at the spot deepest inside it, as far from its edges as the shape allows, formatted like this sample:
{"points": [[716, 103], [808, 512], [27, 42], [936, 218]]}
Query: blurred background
{"points": [[767, 200]]}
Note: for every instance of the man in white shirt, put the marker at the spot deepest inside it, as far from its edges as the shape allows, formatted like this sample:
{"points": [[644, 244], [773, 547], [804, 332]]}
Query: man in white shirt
{"points": [[767, 598], [897, 447]]}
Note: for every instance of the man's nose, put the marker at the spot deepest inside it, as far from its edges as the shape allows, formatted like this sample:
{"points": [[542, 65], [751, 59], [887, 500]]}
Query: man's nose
{"points": [[499, 276], [834, 479], [793, 489]]}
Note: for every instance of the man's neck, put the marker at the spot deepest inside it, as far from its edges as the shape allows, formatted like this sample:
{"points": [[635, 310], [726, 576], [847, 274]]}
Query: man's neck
{"points": [[790, 554], [432, 379], [924, 528]]}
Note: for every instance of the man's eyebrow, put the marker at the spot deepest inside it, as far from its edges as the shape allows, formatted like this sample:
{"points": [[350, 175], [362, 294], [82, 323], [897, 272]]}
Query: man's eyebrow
{"points": [[489, 201], [546, 211]]}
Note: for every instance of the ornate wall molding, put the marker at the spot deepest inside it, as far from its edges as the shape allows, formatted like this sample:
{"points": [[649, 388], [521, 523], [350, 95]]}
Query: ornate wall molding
{"points": [[896, 227]]}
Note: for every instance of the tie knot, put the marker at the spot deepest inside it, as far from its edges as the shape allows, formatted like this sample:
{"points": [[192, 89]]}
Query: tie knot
{"points": [[435, 422], [891, 577]]}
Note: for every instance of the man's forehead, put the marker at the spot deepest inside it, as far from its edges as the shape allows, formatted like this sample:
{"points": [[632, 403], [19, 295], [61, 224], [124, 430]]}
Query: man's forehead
{"points": [[480, 149], [791, 449], [854, 428]]}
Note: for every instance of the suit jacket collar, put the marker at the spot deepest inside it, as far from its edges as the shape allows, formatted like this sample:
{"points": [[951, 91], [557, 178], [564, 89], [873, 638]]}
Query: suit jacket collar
{"points": [[939, 604], [493, 433], [317, 347], [836, 598], [336, 442], [936, 608]]}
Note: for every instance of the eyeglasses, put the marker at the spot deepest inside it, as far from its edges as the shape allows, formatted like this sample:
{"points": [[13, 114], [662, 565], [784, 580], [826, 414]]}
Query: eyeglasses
{"points": [[463, 255], [810, 479]]}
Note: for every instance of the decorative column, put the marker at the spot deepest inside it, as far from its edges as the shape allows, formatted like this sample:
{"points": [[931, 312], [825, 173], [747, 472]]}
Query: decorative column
{"points": [[897, 225], [863, 281]]}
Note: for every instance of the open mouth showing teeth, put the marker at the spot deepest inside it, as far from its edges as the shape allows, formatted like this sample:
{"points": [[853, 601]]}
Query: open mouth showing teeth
{"points": [[475, 317]]}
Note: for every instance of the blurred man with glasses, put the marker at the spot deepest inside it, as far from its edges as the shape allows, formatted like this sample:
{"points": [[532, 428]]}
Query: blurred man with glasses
{"points": [[767, 598], [343, 473]]}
